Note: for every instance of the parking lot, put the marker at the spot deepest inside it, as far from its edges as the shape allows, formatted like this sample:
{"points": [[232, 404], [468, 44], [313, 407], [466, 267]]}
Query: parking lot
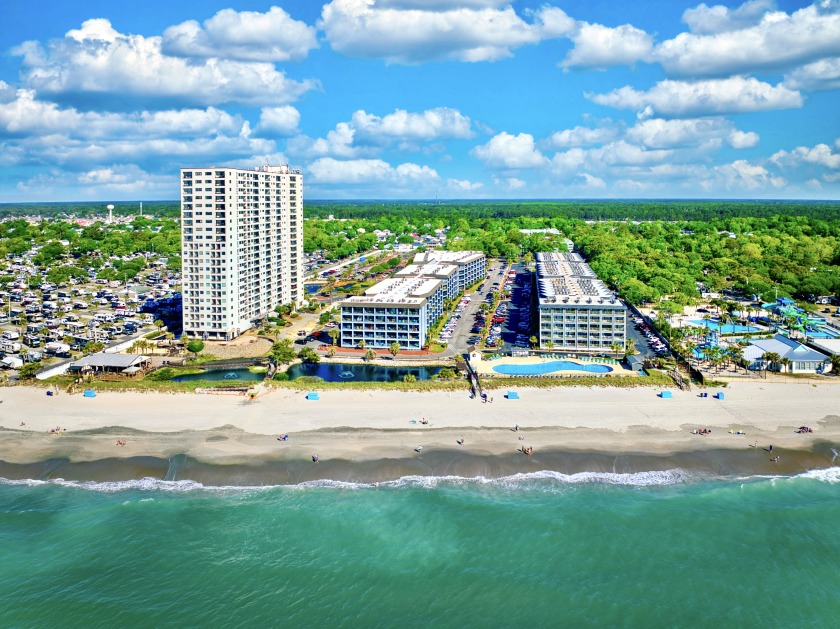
{"points": [[58, 321], [513, 320], [465, 333], [647, 342]]}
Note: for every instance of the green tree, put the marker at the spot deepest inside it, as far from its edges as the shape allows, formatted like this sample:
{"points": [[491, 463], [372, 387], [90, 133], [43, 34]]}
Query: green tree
{"points": [[159, 325], [394, 348], [92, 347], [771, 360], [282, 352], [196, 346], [409, 377], [28, 370], [333, 334], [370, 355], [309, 355]]}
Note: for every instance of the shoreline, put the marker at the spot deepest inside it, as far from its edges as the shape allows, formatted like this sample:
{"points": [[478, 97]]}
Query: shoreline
{"points": [[371, 436]]}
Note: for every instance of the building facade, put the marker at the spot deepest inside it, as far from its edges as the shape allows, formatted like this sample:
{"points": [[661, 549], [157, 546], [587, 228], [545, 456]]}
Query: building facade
{"points": [[577, 312], [471, 265], [242, 247], [405, 307], [396, 309]]}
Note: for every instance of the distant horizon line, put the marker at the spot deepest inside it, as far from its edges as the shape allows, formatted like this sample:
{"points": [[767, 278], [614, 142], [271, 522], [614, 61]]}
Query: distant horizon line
{"points": [[463, 200]]}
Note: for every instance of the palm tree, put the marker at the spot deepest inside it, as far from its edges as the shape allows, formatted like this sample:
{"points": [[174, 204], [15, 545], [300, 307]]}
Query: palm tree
{"points": [[370, 355], [394, 348], [333, 334], [690, 346], [630, 347], [786, 362], [736, 353], [615, 347], [361, 344], [533, 341], [770, 360], [159, 324], [835, 364]]}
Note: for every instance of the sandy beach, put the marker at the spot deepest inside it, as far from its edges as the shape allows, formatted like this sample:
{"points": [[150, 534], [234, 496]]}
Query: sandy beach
{"points": [[373, 435]]}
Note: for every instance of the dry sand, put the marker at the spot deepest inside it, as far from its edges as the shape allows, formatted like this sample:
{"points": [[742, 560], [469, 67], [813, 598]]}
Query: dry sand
{"points": [[382, 429]]}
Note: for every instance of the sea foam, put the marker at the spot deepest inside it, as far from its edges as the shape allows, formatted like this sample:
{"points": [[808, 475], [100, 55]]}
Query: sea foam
{"points": [[545, 479]]}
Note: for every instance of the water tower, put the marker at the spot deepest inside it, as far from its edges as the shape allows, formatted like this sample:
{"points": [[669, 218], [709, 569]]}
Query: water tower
{"points": [[110, 214]]}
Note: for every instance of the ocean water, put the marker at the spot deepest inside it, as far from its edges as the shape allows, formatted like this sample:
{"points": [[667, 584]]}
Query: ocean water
{"points": [[651, 549]]}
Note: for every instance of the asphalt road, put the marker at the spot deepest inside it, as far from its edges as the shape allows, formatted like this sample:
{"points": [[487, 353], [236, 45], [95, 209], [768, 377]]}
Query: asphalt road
{"points": [[458, 343], [510, 327]]}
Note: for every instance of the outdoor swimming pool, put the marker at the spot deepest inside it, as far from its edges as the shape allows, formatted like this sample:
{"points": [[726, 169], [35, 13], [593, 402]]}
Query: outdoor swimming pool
{"points": [[540, 369], [726, 328]]}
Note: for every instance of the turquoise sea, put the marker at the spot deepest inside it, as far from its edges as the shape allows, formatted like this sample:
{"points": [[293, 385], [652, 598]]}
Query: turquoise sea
{"points": [[656, 549]]}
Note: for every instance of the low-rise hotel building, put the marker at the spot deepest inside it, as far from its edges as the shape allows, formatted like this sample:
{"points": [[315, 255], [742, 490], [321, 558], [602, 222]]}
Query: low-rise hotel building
{"points": [[404, 308], [471, 265], [577, 312], [396, 309]]}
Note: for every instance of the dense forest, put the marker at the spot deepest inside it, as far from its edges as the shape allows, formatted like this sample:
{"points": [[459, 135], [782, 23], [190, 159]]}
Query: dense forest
{"points": [[627, 209], [767, 256], [647, 250]]}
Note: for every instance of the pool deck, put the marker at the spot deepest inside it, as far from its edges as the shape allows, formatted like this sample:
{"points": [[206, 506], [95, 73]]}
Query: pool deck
{"points": [[485, 367]]}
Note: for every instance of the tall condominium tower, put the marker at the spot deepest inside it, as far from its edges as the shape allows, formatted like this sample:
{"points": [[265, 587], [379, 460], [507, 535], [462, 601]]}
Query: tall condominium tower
{"points": [[242, 246]]}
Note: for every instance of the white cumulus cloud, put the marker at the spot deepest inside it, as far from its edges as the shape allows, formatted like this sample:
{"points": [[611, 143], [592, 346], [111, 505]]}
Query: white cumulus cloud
{"points": [[777, 41], [411, 32], [464, 185], [705, 20], [819, 155], [282, 121], [327, 170], [438, 123], [510, 151], [819, 75], [245, 35], [678, 99], [743, 139], [583, 136], [97, 60], [742, 174], [599, 46]]}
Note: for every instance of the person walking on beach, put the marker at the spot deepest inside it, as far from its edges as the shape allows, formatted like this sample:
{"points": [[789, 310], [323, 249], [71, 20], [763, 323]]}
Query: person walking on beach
{"points": [[771, 447]]}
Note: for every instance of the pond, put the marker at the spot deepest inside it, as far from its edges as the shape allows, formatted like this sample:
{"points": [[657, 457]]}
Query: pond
{"points": [[337, 372], [228, 376], [332, 372]]}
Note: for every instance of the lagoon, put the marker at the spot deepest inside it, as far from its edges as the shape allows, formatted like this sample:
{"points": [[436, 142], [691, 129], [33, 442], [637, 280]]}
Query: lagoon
{"points": [[339, 372]]}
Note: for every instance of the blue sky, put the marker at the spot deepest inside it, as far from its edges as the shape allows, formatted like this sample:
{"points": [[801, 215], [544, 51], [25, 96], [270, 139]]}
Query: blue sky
{"points": [[423, 98]]}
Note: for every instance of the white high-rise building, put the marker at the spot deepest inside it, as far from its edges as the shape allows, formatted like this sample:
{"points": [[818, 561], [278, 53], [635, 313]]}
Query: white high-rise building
{"points": [[242, 246]]}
